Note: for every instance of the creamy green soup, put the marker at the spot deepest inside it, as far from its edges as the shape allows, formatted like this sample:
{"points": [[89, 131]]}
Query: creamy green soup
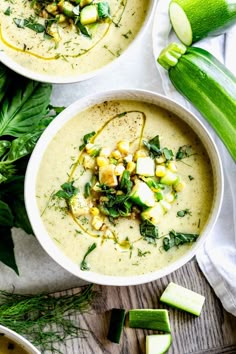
{"points": [[182, 201], [70, 52]]}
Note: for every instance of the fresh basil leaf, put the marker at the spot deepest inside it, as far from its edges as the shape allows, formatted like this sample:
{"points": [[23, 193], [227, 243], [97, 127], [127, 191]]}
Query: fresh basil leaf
{"points": [[23, 108], [168, 154], [4, 147], [125, 183], [67, 191], [83, 29], [23, 146], [153, 146], [6, 217], [178, 239], [7, 248], [149, 231], [183, 152], [87, 189], [21, 219], [36, 27], [86, 139], [5, 80], [8, 11], [6, 171], [103, 10]]}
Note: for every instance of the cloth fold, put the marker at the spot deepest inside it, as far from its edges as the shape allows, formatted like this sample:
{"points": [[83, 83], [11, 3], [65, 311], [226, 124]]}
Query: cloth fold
{"points": [[217, 257]]}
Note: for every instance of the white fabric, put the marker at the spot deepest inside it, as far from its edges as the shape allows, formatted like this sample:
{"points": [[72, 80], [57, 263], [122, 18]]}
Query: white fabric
{"points": [[217, 258]]}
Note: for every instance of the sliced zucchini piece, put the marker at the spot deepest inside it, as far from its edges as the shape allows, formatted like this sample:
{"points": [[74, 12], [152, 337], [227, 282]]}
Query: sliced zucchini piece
{"points": [[116, 325], [157, 320], [67, 8], [158, 343], [153, 214], [169, 178], [145, 166], [142, 195], [183, 299], [89, 14]]}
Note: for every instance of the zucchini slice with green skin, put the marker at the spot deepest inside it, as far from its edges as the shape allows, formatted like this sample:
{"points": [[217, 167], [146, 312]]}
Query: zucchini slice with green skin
{"points": [[158, 343], [116, 325], [157, 320], [88, 14], [193, 20], [183, 299], [207, 84], [142, 195]]}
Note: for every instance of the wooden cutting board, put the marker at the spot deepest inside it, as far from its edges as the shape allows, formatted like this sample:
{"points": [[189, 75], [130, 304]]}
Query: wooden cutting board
{"points": [[214, 332]]}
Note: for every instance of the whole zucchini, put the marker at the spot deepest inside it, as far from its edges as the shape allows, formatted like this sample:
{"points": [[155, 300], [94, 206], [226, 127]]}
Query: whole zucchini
{"points": [[195, 19], [207, 84]]}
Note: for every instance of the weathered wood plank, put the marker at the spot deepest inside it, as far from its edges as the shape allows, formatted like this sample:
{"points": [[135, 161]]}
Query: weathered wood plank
{"points": [[214, 332]]}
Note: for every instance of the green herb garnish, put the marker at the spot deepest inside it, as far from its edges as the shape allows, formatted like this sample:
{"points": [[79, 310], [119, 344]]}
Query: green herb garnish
{"points": [[86, 140], [168, 154], [142, 254], [67, 191], [84, 265], [87, 189], [190, 177], [182, 213], [45, 319], [149, 231], [30, 23], [183, 152], [8, 11], [125, 183], [178, 239], [103, 10], [153, 146]]}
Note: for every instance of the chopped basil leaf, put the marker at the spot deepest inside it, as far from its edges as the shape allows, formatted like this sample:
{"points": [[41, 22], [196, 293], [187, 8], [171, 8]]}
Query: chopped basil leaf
{"points": [[125, 183], [190, 177], [183, 152], [168, 154], [142, 254], [153, 146], [84, 265], [103, 10], [149, 231], [67, 191], [8, 11], [86, 139], [36, 27], [87, 189], [83, 29], [178, 239]]}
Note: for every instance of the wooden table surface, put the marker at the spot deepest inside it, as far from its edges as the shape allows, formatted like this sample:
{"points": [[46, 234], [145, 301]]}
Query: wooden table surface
{"points": [[214, 332]]}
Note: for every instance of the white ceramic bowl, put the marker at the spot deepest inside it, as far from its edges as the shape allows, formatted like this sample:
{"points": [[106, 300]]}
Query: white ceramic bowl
{"points": [[34, 75], [34, 163], [16, 338]]}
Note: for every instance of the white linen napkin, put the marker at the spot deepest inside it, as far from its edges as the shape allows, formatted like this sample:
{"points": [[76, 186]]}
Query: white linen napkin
{"points": [[217, 258]]}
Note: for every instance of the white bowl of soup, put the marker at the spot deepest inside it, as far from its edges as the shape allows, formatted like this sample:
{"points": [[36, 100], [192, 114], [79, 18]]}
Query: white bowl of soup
{"points": [[12, 343], [66, 41], [123, 187]]}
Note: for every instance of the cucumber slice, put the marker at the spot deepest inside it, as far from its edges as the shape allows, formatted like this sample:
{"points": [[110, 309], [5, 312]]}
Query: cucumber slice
{"points": [[193, 20], [157, 320], [145, 166], [142, 195], [169, 178], [158, 343], [183, 299], [88, 14], [116, 325]]}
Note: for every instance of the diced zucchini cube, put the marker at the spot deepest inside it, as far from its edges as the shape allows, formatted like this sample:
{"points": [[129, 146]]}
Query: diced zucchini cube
{"points": [[107, 175], [169, 178], [145, 166], [158, 343], [153, 214], [142, 195], [88, 14]]}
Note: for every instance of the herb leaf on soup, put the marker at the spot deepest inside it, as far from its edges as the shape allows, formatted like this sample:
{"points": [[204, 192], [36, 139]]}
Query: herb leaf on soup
{"points": [[149, 231], [182, 213], [67, 191], [177, 239], [84, 265]]}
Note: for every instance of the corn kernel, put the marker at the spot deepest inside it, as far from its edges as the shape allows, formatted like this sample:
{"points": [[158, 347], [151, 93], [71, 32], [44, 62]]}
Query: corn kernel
{"points": [[94, 211], [105, 152], [179, 186], [51, 8], [61, 18], [160, 171], [172, 166], [160, 159], [97, 223], [102, 161], [140, 153], [169, 197], [123, 147], [119, 169], [128, 158], [131, 166], [116, 154], [88, 161]]}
